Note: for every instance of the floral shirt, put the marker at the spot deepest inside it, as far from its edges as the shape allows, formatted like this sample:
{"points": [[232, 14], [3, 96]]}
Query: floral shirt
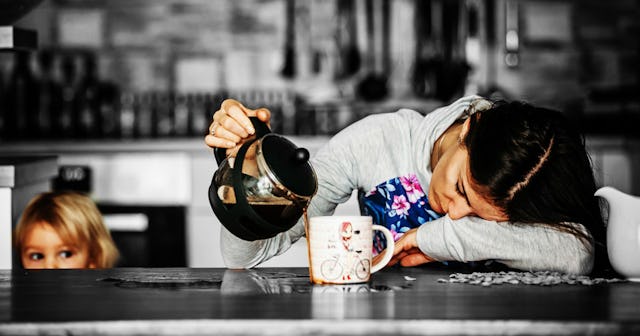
{"points": [[399, 204]]}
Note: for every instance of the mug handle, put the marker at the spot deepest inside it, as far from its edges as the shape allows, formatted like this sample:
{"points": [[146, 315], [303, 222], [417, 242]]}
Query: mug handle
{"points": [[388, 252]]}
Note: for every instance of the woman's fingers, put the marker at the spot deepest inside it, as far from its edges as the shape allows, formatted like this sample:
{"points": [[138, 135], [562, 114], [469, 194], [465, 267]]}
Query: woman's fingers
{"points": [[397, 257], [238, 117], [409, 258], [216, 141], [231, 125], [221, 136], [264, 115], [415, 259], [406, 251], [376, 258], [223, 119]]}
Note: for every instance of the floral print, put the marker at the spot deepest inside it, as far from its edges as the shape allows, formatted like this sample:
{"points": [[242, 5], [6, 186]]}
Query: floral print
{"points": [[412, 187], [399, 204]]}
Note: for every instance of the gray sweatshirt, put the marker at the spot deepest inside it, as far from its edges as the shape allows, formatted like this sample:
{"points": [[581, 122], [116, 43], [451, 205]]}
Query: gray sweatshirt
{"points": [[383, 146]]}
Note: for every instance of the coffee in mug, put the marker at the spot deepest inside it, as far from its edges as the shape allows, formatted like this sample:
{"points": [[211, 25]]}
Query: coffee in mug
{"points": [[341, 249]]}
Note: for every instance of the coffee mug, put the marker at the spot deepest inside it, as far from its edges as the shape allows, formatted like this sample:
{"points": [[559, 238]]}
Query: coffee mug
{"points": [[340, 249]]}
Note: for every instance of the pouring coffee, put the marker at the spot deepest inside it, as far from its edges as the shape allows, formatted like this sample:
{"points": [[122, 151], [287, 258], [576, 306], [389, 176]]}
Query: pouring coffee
{"points": [[265, 188]]}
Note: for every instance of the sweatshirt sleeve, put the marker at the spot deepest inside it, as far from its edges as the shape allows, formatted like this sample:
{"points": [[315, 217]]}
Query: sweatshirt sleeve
{"points": [[239, 253], [521, 246]]}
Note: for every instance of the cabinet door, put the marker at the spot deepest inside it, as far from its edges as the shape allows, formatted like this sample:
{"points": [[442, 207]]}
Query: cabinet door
{"points": [[203, 228]]}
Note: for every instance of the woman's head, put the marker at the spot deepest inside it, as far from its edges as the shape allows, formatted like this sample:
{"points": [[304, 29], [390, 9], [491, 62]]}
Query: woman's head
{"points": [[531, 163], [520, 163], [64, 230]]}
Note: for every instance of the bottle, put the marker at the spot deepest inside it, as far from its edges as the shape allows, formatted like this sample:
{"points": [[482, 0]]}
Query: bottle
{"points": [[89, 99], [163, 112], [199, 122], [21, 99], [127, 115], [65, 120], [3, 106], [109, 110], [144, 118], [212, 103], [181, 115], [49, 93]]}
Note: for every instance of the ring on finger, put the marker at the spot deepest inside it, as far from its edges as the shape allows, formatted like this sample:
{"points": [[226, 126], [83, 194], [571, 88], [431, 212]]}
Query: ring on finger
{"points": [[212, 130]]}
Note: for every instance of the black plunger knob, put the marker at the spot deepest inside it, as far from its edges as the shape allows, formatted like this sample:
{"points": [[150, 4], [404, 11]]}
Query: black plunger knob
{"points": [[301, 156]]}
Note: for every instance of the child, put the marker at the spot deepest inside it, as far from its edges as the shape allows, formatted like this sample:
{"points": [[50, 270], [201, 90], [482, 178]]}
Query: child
{"points": [[63, 230]]}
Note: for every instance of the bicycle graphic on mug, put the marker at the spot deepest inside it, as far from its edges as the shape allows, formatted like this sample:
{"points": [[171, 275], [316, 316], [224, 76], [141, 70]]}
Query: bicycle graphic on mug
{"points": [[334, 267]]}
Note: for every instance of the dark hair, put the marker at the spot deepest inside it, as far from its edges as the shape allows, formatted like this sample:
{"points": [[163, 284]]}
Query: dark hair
{"points": [[532, 163]]}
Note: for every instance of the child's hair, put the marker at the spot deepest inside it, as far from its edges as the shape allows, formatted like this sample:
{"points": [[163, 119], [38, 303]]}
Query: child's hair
{"points": [[75, 218]]}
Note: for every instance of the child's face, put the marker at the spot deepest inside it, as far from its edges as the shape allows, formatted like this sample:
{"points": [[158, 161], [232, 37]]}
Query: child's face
{"points": [[43, 248]]}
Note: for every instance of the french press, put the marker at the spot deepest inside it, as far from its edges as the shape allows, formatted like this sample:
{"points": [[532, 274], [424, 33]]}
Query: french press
{"points": [[258, 196]]}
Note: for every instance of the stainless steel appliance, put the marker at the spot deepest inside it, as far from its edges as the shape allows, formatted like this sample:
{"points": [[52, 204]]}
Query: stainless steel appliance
{"points": [[147, 235], [143, 198]]}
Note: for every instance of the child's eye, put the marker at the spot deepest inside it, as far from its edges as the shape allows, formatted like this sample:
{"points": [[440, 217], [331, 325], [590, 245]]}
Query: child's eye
{"points": [[36, 256], [66, 254]]}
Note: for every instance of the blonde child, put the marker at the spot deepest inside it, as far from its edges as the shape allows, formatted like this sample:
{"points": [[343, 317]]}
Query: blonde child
{"points": [[63, 230]]}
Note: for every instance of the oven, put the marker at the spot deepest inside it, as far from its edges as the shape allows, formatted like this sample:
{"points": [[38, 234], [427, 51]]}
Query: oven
{"points": [[147, 235], [143, 199]]}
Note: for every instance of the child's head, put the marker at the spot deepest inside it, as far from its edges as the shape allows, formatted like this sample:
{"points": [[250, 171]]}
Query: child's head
{"points": [[63, 230]]}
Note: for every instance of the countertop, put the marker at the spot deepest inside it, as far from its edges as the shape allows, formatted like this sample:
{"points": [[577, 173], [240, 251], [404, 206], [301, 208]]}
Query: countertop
{"points": [[281, 301]]}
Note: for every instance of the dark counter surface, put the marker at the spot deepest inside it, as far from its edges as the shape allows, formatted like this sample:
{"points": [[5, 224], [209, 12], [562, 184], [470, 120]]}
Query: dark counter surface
{"points": [[274, 301]]}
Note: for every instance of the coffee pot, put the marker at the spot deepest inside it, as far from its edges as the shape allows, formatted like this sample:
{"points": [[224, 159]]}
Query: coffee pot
{"points": [[623, 231], [265, 188]]}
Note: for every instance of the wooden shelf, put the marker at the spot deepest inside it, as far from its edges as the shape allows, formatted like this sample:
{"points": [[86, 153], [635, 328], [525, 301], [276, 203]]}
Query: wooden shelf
{"points": [[14, 38]]}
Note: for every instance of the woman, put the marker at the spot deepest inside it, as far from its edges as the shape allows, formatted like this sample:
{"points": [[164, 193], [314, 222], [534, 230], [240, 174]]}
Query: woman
{"points": [[507, 182]]}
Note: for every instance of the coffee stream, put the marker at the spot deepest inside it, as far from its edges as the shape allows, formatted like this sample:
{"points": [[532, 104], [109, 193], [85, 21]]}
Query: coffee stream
{"points": [[305, 219]]}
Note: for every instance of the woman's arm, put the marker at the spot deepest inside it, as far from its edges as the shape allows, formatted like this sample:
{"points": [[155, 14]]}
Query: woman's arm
{"points": [[522, 246], [340, 166], [238, 253]]}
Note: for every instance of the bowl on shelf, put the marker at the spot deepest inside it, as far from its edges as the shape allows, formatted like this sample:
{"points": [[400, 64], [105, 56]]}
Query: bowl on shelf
{"points": [[12, 10]]}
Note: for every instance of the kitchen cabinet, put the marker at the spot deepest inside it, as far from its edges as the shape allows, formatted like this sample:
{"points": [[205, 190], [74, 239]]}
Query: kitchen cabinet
{"points": [[616, 162], [21, 178]]}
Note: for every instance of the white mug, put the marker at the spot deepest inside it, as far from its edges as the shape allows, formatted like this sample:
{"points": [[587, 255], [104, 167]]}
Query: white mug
{"points": [[340, 249]]}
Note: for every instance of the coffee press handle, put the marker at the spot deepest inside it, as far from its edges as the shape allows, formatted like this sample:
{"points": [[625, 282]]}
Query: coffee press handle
{"points": [[220, 154], [261, 130], [261, 127]]}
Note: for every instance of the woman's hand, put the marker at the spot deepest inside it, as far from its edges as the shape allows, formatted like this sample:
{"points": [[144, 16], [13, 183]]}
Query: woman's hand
{"points": [[231, 126], [406, 251]]}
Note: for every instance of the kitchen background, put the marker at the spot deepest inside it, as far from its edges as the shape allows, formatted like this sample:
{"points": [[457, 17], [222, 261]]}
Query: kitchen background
{"points": [[122, 91]]}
